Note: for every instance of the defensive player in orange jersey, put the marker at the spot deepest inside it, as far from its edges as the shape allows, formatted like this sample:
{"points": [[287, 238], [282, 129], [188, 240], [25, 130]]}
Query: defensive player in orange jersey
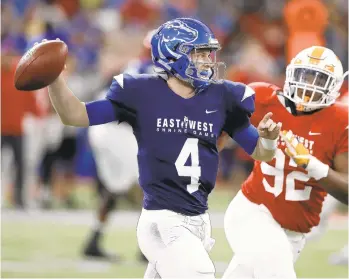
{"points": [[281, 201]]}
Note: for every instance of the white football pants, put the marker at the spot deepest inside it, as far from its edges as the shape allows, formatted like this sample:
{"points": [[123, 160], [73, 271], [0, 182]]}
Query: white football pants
{"points": [[175, 245], [262, 249]]}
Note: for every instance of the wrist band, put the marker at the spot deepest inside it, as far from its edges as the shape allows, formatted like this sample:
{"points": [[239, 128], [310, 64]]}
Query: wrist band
{"points": [[317, 169], [269, 144]]}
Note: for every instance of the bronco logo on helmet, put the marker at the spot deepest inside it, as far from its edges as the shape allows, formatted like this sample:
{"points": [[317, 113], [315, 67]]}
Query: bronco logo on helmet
{"points": [[179, 31]]}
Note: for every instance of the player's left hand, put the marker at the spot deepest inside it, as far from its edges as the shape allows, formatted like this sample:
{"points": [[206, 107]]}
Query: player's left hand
{"points": [[268, 129], [295, 149]]}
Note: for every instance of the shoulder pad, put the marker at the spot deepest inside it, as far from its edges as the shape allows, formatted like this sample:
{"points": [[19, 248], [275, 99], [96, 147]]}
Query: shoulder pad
{"points": [[241, 95], [130, 84]]}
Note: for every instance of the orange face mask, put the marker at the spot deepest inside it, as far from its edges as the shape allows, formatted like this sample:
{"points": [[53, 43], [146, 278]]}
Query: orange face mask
{"points": [[300, 107]]}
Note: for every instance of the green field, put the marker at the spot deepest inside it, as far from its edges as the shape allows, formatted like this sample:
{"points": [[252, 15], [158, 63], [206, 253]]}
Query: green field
{"points": [[52, 250]]}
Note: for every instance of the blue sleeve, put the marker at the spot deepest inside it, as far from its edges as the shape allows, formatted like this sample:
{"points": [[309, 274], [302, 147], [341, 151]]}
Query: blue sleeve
{"points": [[247, 138], [120, 103], [123, 92], [239, 102], [101, 111]]}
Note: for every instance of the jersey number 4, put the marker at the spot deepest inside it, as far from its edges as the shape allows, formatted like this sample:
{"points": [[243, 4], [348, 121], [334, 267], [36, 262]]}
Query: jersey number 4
{"points": [[190, 148], [291, 194]]}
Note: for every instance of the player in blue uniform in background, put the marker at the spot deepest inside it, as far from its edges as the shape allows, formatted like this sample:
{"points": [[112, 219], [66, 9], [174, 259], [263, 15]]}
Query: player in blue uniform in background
{"points": [[109, 187], [177, 116]]}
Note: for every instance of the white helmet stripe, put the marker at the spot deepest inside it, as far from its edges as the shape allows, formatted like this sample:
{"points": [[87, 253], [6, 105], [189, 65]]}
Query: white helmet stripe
{"points": [[162, 56]]}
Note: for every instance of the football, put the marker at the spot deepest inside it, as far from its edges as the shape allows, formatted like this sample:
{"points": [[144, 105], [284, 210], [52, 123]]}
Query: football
{"points": [[40, 65]]}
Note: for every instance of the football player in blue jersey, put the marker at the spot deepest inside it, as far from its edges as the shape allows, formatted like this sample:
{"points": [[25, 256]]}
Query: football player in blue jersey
{"points": [[177, 116]]}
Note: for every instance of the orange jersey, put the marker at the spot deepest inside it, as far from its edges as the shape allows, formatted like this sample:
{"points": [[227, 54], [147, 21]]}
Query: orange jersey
{"points": [[294, 199], [344, 98]]}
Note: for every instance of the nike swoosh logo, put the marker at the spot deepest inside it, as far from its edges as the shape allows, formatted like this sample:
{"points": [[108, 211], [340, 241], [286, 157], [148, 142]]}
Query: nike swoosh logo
{"points": [[211, 111], [314, 134]]}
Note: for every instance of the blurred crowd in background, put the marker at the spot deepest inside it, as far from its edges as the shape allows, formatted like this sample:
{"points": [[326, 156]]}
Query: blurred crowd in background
{"points": [[44, 161]]}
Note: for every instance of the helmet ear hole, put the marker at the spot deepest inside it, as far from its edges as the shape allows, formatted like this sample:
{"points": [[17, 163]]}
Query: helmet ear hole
{"points": [[171, 59], [176, 46]]}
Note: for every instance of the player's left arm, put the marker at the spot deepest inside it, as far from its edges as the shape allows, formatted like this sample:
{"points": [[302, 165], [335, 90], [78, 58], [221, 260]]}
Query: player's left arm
{"points": [[260, 142], [268, 132], [333, 179]]}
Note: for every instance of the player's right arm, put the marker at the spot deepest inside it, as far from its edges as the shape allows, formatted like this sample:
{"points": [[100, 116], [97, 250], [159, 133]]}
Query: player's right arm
{"points": [[70, 109], [117, 105]]}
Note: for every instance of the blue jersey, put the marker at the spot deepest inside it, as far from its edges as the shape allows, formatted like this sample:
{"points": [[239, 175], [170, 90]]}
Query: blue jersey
{"points": [[177, 156]]}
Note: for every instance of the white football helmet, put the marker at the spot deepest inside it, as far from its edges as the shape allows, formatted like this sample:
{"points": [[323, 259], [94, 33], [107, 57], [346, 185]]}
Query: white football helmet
{"points": [[313, 78]]}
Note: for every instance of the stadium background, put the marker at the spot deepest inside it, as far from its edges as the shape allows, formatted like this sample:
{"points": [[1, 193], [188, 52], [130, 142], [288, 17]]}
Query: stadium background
{"points": [[44, 239]]}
